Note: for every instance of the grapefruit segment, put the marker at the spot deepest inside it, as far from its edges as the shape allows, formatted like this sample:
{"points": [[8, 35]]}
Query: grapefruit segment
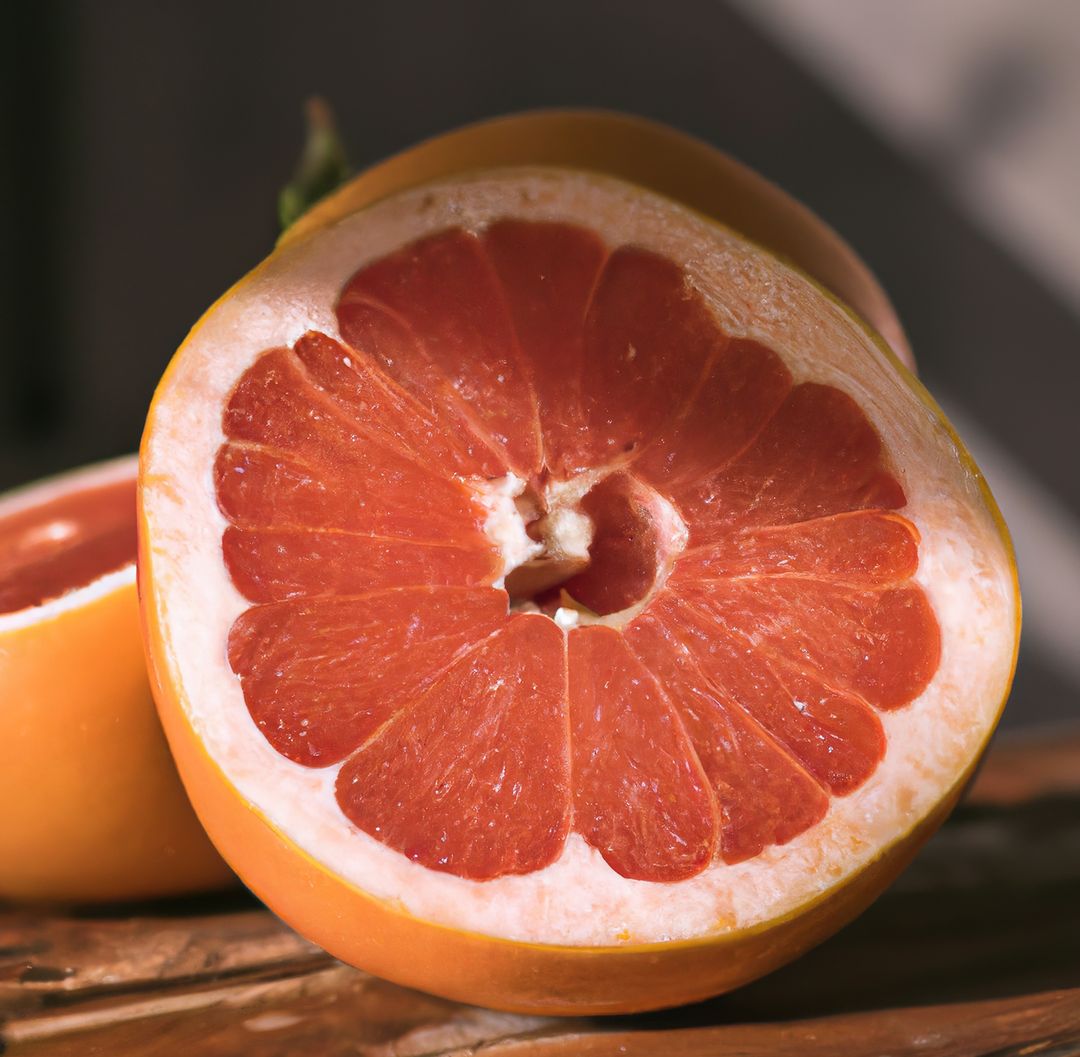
{"points": [[382, 410], [835, 737], [472, 776], [818, 455], [641, 797], [862, 548], [633, 383], [743, 385], [394, 350], [764, 796], [884, 646], [548, 274], [267, 565], [352, 482], [591, 612], [444, 290], [321, 675]]}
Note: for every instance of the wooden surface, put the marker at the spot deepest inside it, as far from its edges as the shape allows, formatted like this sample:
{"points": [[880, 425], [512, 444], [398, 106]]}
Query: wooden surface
{"points": [[975, 951]]}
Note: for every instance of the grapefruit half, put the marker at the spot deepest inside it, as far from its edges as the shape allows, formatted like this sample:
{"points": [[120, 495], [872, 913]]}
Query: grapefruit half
{"points": [[93, 808], [558, 602]]}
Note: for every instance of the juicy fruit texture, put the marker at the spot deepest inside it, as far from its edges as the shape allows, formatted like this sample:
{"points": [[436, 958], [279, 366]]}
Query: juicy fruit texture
{"points": [[466, 653], [719, 659], [65, 543]]}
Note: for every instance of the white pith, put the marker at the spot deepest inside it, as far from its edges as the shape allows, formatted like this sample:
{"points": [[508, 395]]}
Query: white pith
{"points": [[504, 525], [566, 534], [578, 900], [45, 491]]}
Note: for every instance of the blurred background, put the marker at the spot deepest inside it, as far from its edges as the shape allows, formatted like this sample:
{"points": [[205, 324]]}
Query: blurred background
{"points": [[145, 145]]}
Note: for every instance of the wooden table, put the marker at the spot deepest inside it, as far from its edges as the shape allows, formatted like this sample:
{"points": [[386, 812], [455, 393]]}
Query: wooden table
{"points": [[975, 951]]}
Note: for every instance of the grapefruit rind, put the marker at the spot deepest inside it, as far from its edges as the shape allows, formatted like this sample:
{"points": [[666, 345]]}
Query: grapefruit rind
{"points": [[965, 569]]}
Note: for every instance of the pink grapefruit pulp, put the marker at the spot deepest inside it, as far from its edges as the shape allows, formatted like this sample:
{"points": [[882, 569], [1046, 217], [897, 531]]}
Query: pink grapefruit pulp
{"points": [[539, 574]]}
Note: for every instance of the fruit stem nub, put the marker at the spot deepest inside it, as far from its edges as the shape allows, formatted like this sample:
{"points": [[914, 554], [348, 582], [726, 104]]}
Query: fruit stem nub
{"points": [[321, 168]]}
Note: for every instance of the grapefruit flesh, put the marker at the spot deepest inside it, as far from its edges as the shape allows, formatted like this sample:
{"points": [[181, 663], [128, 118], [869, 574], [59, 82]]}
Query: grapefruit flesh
{"points": [[549, 565], [93, 808], [65, 543], [785, 576]]}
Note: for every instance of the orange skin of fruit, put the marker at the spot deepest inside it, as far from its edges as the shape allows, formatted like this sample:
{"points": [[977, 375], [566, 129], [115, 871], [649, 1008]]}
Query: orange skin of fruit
{"points": [[100, 813], [470, 967]]}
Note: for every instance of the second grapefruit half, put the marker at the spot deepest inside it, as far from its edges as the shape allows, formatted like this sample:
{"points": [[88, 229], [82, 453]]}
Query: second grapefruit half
{"points": [[93, 810]]}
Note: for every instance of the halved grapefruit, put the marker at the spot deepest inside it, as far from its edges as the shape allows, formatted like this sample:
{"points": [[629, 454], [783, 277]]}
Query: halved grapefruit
{"points": [[93, 808], [556, 601]]}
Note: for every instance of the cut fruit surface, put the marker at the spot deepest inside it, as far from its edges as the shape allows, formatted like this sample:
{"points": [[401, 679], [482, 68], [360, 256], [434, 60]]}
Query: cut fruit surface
{"points": [[549, 566], [94, 809], [66, 543], [766, 549]]}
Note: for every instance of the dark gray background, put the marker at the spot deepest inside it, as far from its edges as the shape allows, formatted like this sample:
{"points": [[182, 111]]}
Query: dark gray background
{"points": [[145, 145]]}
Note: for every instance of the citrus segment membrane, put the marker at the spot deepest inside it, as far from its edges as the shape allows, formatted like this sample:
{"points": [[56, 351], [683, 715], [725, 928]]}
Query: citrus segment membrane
{"points": [[457, 347], [641, 796], [66, 542], [501, 807], [817, 455], [548, 274], [764, 794], [316, 467], [739, 604], [322, 675]]}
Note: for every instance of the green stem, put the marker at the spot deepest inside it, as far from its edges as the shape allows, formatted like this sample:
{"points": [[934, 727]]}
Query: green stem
{"points": [[322, 166]]}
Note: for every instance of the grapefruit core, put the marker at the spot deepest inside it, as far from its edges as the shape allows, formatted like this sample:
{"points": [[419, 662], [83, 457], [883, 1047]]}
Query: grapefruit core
{"points": [[557, 602], [94, 809]]}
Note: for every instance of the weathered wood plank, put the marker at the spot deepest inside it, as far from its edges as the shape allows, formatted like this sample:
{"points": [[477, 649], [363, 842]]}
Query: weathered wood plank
{"points": [[328, 1011], [59, 958], [989, 911], [335, 1012], [1047, 1024]]}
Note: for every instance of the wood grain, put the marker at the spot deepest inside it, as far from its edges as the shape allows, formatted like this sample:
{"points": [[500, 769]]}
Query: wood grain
{"points": [[975, 951], [1047, 1024]]}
